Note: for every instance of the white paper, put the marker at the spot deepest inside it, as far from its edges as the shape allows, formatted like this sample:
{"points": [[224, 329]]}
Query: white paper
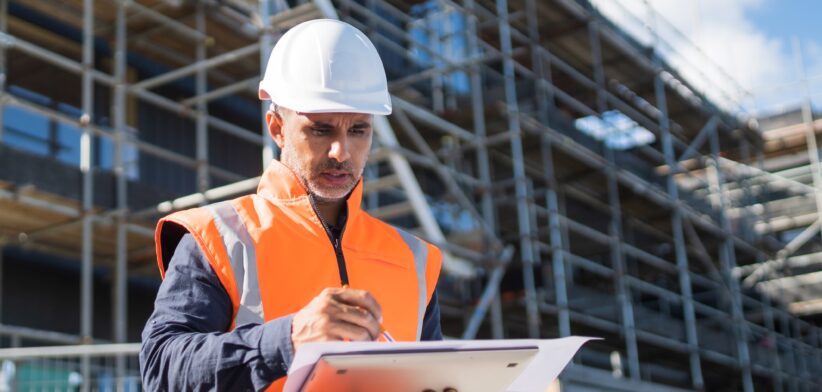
{"points": [[552, 357]]}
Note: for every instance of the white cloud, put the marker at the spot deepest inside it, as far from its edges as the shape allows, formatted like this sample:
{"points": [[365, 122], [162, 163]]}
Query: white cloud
{"points": [[813, 53], [718, 49]]}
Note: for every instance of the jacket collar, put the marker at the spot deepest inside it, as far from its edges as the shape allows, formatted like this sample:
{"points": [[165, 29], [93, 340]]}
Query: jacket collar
{"points": [[279, 184]]}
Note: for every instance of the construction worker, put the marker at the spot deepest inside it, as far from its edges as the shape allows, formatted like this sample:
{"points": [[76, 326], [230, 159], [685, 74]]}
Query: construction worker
{"points": [[247, 281]]}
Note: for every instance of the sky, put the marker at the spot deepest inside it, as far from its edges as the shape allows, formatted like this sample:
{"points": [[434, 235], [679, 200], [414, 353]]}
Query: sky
{"points": [[741, 53], [784, 20]]}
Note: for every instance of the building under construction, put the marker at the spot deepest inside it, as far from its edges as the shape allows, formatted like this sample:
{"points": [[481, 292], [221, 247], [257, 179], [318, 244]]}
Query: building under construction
{"points": [[577, 183]]}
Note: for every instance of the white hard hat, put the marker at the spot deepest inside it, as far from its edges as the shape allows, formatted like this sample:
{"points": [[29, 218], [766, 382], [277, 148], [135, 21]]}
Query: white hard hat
{"points": [[325, 65]]}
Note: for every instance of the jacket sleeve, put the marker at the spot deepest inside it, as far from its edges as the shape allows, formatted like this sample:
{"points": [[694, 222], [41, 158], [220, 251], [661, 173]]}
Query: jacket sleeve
{"points": [[431, 329], [185, 346]]}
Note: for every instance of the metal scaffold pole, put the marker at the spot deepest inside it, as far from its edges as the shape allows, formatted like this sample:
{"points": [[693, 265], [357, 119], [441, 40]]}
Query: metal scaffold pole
{"points": [[4, 11], [817, 341], [546, 109], [524, 221], [437, 82], [793, 333], [773, 339], [680, 249], [793, 380], [804, 376], [118, 108], [483, 165], [86, 167], [556, 240], [201, 87], [727, 258], [266, 9], [120, 286], [2, 265], [623, 291]]}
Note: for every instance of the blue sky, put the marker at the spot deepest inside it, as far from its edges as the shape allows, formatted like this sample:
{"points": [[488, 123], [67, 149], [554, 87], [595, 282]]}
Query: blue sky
{"points": [[739, 52], [784, 19]]}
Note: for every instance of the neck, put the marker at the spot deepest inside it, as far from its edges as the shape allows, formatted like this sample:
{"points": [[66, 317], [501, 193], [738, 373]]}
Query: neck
{"points": [[329, 209]]}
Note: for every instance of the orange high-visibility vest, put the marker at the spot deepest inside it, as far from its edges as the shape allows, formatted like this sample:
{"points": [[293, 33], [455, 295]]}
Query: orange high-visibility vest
{"points": [[272, 255]]}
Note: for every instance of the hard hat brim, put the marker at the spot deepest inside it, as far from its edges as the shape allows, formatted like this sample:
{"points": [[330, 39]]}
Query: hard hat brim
{"points": [[319, 104]]}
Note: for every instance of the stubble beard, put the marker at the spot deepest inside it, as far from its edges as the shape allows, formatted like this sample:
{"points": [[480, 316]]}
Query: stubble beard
{"points": [[322, 194]]}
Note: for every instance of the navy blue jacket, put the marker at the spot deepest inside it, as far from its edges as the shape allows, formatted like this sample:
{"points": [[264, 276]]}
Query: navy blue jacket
{"points": [[185, 343]]}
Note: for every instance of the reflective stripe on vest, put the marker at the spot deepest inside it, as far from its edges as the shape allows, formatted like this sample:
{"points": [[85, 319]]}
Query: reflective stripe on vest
{"points": [[242, 256], [420, 251]]}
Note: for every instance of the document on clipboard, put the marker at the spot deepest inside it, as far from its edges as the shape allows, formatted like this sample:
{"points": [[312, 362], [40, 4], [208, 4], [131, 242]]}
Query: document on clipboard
{"points": [[467, 365]]}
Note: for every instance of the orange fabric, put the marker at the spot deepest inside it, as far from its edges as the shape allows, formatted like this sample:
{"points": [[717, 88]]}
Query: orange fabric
{"points": [[200, 224], [325, 377], [295, 256]]}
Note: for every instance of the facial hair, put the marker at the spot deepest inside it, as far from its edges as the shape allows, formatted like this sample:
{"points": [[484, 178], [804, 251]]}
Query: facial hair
{"points": [[305, 173]]}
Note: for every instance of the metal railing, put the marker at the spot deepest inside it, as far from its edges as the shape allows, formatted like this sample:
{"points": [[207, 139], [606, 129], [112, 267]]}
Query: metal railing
{"points": [[100, 367]]}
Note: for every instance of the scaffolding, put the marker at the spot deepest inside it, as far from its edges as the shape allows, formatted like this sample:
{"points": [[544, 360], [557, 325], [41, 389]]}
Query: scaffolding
{"points": [[550, 227]]}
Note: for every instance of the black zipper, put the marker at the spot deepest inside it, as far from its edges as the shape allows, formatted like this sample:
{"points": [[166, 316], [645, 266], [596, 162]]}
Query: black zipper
{"points": [[336, 240]]}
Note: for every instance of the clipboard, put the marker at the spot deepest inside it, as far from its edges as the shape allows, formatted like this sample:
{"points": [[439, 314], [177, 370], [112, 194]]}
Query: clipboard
{"points": [[547, 359], [475, 370]]}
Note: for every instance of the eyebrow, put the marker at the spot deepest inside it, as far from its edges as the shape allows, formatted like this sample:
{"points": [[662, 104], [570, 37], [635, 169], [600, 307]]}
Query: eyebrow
{"points": [[322, 124]]}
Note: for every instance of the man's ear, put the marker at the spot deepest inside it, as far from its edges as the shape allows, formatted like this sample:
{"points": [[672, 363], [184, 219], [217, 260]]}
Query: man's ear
{"points": [[275, 127]]}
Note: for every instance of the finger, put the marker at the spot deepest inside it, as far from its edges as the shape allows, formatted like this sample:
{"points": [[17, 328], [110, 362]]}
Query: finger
{"points": [[358, 316], [347, 331], [362, 299]]}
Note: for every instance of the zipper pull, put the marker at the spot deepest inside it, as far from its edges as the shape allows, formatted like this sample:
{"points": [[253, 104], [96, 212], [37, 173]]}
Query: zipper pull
{"points": [[337, 236]]}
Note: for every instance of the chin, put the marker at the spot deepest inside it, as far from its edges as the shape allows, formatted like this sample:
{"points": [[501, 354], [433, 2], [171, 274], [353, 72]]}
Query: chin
{"points": [[331, 194]]}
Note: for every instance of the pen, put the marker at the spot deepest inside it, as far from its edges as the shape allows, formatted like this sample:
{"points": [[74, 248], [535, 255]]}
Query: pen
{"points": [[386, 335], [383, 331]]}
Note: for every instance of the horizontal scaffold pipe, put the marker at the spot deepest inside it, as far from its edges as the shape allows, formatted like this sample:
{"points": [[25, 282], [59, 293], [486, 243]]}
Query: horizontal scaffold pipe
{"points": [[565, 67], [10, 41], [434, 120], [647, 337], [128, 138], [634, 182], [212, 62], [77, 351], [166, 21]]}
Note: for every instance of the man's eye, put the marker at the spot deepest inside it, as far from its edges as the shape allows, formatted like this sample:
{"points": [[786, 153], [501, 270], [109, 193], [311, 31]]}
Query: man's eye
{"points": [[319, 131], [358, 131]]}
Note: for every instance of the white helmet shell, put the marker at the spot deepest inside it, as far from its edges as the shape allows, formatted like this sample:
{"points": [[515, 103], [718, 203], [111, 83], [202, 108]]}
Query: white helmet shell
{"points": [[325, 65]]}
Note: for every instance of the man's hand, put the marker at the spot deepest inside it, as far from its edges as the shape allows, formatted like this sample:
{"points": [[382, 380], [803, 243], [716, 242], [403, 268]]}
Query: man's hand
{"points": [[337, 314]]}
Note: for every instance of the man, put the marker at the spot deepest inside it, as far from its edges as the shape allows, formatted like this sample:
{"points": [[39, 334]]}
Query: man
{"points": [[248, 281]]}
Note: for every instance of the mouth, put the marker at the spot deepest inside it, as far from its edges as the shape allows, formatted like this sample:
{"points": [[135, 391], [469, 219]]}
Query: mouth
{"points": [[335, 177]]}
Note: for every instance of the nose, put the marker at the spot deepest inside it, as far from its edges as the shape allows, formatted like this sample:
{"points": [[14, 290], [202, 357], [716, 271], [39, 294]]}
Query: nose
{"points": [[339, 150]]}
